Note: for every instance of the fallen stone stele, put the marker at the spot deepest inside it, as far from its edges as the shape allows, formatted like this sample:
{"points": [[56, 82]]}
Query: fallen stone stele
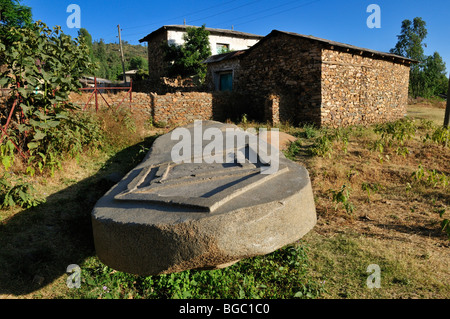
{"points": [[164, 217]]}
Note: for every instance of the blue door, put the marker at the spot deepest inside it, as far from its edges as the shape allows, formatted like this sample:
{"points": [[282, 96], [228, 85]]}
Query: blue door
{"points": [[226, 81]]}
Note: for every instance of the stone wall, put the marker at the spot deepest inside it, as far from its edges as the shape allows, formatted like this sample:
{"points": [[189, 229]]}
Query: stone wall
{"points": [[173, 108], [315, 82], [181, 108], [288, 67], [358, 89], [185, 107], [156, 56]]}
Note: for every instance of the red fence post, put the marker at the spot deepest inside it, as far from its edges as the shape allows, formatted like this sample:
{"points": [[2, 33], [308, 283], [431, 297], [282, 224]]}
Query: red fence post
{"points": [[95, 92], [131, 92]]}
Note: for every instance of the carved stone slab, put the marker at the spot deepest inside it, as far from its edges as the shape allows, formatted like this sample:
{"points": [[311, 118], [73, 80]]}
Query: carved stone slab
{"points": [[168, 217]]}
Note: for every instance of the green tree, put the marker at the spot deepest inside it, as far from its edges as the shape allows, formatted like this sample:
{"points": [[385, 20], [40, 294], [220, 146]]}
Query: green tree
{"points": [[434, 76], [186, 60], [410, 44], [43, 66], [85, 36], [138, 63], [410, 41], [428, 76], [13, 14]]}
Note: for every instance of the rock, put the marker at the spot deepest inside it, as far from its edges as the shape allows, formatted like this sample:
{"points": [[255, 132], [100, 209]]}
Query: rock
{"points": [[165, 217]]}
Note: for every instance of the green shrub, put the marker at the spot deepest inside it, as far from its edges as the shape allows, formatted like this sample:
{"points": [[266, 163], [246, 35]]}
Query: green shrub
{"points": [[15, 191]]}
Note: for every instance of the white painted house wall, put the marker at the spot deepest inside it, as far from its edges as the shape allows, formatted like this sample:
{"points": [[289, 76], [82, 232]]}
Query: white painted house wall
{"points": [[234, 44]]}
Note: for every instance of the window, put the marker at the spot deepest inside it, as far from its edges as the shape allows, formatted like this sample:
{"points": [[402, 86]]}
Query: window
{"points": [[222, 48], [224, 81]]}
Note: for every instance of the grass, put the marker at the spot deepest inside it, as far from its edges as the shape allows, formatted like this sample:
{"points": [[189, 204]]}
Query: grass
{"points": [[394, 222]]}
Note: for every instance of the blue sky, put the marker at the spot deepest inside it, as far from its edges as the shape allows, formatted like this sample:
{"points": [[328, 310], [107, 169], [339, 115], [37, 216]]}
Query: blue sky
{"points": [[343, 21]]}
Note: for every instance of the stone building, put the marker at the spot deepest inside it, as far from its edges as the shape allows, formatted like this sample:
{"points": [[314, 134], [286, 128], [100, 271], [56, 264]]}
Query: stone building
{"points": [[304, 79], [219, 39]]}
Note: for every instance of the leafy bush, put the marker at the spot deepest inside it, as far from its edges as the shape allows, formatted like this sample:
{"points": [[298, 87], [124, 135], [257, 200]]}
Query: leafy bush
{"points": [[398, 131], [342, 197], [322, 146], [17, 192], [43, 66]]}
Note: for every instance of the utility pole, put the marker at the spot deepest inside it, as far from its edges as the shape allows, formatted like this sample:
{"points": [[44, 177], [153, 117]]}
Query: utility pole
{"points": [[447, 109], [121, 53]]}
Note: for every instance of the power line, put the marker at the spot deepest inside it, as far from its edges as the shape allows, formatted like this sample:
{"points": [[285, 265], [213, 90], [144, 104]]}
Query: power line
{"points": [[256, 13], [252, 14], [179, 17], [232, 9], [276, 13], [216, 14]]}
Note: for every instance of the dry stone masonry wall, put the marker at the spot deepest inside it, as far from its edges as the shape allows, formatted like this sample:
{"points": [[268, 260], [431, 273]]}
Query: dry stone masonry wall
{"points": [[181, 108], [290, 68], [361, 90]]}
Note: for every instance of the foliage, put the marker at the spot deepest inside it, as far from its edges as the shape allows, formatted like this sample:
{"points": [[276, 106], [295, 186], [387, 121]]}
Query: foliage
{"points": [[44, 66], [445, 223], [322, 146], [14, 191], [441, 135], [13, 14], [293, 149], [369, 188], [84, 36], [342, 197], [428, 78], [430, 178], [398, 131], [186, 60], [108, 60], [282, 274], [309, 131]]}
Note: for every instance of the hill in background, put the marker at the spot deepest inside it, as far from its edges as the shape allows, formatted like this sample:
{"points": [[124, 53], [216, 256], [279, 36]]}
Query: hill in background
{"points": [[107, 56]]}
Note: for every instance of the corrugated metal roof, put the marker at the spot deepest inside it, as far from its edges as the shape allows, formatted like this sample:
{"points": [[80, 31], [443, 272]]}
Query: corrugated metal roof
{"points": [[211, 31]]}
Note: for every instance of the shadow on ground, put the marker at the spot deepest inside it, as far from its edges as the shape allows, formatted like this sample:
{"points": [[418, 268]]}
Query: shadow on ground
{"points": [[38, 244]]}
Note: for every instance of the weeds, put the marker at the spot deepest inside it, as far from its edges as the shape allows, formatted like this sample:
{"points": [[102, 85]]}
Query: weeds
{"points": [[341, 197], [7, 154], [370, 188], [441, 135], [293, 150], [281, 274], [445, 223], [17, 192], [430, 177], [399, 131], [323, 146]]}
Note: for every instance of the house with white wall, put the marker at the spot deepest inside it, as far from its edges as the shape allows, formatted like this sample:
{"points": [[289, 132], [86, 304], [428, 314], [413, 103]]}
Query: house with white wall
{"points": [[221, 40]]}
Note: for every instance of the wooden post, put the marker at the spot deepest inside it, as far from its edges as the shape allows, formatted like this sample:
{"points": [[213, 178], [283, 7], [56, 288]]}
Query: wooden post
{"points": [[121, 52], [447, 109]]}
